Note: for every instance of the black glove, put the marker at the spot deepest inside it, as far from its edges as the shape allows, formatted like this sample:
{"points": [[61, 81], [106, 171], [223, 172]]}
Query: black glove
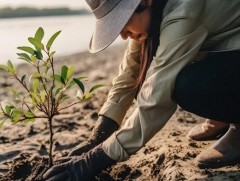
{"points": [[81, 168], [104, 127]]}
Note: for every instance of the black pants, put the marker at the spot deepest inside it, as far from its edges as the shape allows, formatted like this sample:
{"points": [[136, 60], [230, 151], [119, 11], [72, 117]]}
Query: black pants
{"points": [[210, 87]]}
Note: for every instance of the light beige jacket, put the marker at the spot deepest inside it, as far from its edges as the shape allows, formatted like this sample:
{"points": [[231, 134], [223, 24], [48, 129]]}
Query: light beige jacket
{"points": [[188, 28]]}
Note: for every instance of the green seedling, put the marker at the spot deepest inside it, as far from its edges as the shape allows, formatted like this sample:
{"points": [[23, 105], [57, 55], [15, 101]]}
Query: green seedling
{"points": [[46, 91]]}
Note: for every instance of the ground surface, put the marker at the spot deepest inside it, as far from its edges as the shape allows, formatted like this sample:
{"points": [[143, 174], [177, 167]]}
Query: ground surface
{"points": [[167, 156]]}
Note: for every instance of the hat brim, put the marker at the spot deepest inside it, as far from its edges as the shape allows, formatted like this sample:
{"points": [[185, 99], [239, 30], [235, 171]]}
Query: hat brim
{"points": [[108, 28]]}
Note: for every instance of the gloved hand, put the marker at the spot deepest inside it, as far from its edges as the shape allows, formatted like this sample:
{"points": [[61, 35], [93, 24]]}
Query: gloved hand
{"points": [[104, 127], [81, 168]]}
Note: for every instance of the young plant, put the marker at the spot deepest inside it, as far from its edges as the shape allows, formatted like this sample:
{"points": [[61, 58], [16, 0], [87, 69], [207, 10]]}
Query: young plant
{"points": [[46, 90]]}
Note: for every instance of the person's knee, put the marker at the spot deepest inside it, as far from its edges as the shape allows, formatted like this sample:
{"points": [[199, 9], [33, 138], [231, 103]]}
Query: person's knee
{"points": [[181, 89], [190, 92], [184, 92]]}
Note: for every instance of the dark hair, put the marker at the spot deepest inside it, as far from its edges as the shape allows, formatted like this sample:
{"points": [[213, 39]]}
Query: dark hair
{"points": [[150, 45]]}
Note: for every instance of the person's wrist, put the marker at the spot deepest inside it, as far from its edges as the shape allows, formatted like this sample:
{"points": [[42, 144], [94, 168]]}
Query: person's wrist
{"points": [[103, 128], [103, 118], [100, 160]]}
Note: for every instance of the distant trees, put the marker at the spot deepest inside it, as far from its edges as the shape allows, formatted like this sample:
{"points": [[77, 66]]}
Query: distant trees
{"points": [[34, 12]]}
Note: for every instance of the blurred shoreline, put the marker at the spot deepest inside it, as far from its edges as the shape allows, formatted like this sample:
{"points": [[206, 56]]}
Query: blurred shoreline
{"points": [[24, 12], [75, 36]]}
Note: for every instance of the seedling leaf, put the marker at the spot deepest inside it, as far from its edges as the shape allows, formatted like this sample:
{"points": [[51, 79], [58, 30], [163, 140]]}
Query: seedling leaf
{"points": [[51, 40], [80, 84], [35, 85], [26, 49], [36, 42], [39, 34], [4, 67], [64, 73], [24, 56], [96, 87], [1, 123], [59, 79], [70, 72]]}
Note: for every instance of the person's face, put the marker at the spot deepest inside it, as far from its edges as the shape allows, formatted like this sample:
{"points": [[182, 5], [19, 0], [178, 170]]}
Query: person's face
{"points": [[137, 26]]}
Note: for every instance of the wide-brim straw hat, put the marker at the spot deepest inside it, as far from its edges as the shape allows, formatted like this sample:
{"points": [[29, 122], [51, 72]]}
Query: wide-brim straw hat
{"points": [[111, 17]]}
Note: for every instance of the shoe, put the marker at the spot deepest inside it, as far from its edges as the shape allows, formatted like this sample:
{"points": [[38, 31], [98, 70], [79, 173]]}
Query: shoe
{"points": [[208, 130], [224, 152]]}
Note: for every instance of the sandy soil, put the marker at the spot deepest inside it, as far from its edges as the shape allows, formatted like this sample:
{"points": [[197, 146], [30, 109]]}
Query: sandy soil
{"points": [[168, 155]]}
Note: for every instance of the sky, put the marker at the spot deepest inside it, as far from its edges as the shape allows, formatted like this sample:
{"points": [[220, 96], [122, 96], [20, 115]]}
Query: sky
{"points": [[45, 3]]}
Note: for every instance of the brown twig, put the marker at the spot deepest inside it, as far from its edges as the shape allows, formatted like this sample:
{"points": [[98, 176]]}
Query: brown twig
{"points": [[69, 105]]}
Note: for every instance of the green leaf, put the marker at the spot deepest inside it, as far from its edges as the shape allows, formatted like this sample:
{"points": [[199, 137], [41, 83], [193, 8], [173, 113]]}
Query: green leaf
{"points": [[70, 72], [58, 91], [26, 49], [39, 34], [34, 59], [64, 98], [38, 55], [64, 73], [29, 114], [26, 121], [80, 84], [96, 87], [52, 54], [51, 40], [52, 87], [34, 75], [35, 85], [35, 98], [4, 67], [37, 43], [14, 92], [80, 78], [46, 77], [73, 82], [9, 109], [46, 72], [59, 79], [16, 115], [23, 78], [24, 56], [43, 96], [88, 96], [1, 123], [11, 67], [34, 102]]}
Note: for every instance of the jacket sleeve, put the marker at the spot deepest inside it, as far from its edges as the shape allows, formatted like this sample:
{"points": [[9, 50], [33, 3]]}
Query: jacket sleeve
{"points": [[180, 40], [120, 97]]}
